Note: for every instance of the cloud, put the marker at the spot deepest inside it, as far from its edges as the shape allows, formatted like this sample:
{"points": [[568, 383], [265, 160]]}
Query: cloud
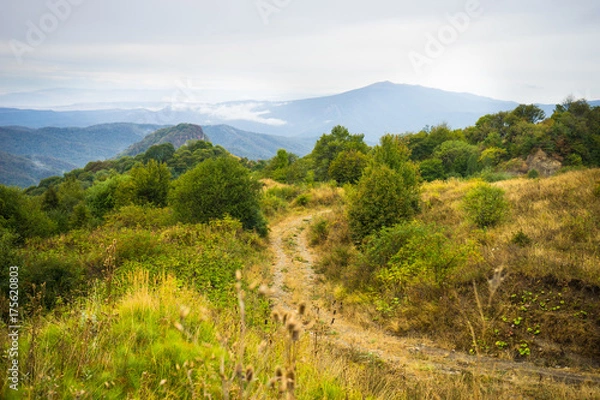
{"points": [[240, 112]]}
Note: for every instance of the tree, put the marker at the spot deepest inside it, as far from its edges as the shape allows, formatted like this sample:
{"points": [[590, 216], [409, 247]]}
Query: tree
{"points": [[459, 158], [22, 215], [348, 167], [530, 113], [161, 152], [388, 191], [151, 183], [280, 165], [216, 188], [432, 169], [329, 146]]}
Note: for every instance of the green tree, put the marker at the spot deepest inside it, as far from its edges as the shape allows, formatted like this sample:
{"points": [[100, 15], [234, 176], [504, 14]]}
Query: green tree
{"points": [[329, 146], [459, 158], [22, 215], [161, 152], [348, 167], [388, 191], [151, 183], [432, 169], [216, 188]]}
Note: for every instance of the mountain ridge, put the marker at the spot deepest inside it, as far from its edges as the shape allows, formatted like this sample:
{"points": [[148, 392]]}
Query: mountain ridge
{"points": [[376, 109]]}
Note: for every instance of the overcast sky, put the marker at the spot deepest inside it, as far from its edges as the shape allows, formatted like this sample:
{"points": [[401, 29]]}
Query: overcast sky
{"points": [[526, 51]]}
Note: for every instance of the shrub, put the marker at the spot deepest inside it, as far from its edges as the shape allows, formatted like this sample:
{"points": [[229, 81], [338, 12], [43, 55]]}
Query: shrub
{"points": [[287, 193], [382, 198], [302, 200], [139, 216], [347, 167], [388, 191], [533, 174], [485, 205], [521, 239], [216, 188], [318, 232], [432, 169], [151, 183]]}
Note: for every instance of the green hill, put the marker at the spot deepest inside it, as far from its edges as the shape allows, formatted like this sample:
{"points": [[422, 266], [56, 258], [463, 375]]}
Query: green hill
{"points": [[176, 135]]}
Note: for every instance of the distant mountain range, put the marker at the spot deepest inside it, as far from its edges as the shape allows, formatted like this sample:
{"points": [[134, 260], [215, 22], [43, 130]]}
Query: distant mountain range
{"points": [[29, 155], [373, 110]]}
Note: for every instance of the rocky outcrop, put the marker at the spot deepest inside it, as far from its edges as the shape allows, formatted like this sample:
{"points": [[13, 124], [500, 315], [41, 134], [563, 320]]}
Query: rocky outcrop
{"points": [[543, 163]]}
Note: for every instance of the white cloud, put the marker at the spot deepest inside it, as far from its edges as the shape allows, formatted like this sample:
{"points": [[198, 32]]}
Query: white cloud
{"points": [[240, 111]]}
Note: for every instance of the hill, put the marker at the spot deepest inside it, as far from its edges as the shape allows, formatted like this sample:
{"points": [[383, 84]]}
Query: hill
{"points": [[26, 171], [176, 135]]}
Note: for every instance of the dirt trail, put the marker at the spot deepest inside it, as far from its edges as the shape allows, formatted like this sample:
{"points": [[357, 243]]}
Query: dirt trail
{"points": [[295, 282]]}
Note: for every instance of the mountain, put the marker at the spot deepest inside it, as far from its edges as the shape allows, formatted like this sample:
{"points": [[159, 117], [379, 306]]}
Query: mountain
{"points": [[76, 146], [240, 143], [256, 146], [372, 110], [27, 171]]}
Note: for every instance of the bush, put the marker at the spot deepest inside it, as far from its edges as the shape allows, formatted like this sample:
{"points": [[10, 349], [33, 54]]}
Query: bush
{"points": [[347, 167], [485, 205], [533, 174], [382, 198], [140, 217], [302, 200], [432, 169], [54, 277], [318, 231], [287, 193], [216, 188], [411, 254]]}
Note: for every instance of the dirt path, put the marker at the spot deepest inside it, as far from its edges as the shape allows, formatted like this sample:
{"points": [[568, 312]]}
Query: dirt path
{"points": [[295, 282]]}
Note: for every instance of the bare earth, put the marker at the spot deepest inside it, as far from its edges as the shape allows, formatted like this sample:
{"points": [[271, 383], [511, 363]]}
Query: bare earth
{"points": [[295, 282]]}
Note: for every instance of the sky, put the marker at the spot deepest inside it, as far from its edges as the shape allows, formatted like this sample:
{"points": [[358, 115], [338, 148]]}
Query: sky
{"points": [[207, 51]]}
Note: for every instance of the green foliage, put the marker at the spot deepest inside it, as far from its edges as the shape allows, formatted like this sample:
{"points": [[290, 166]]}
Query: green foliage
{"points": [[151, 183], [318, 232], [348, 167], [458, 157], [22, 215], [382, 198], [329, 146], [54, 276], [492, 156], [302, 200], [485, 205], [133, 216], [216, 188], [533, 174], [161, 153], [432, 169], [412, 253], [423, 144], [521, 239], [388, 191]]}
